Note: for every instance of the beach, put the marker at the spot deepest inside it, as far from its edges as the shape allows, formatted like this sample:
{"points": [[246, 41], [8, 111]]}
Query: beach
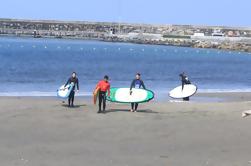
{"points": [[43, 131], [170, 81], [40, 130]]}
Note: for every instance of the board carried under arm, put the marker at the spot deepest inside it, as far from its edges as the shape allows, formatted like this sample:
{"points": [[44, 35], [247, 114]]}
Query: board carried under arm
{"points": [[64, 91], [187, 91], [123, 95]]}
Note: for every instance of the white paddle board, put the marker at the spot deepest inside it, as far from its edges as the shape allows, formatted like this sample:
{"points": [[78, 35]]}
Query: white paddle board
{"points": [[178, 93], [122, 95], [64, 91]]}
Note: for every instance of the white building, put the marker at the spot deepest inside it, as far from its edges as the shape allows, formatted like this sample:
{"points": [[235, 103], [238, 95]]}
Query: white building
{"points": [[198, 34]]}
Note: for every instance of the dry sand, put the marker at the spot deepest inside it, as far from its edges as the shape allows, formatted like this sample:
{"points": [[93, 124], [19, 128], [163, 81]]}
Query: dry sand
{"points": [[41, 131]]}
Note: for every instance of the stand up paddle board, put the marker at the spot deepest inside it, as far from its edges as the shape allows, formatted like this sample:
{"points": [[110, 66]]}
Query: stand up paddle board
{"points": [[95, 95], [64, 92], [122, 95], [188, 90]]}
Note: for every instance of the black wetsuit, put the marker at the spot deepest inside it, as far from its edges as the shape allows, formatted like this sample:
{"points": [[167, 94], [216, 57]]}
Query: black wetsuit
{"points": [[185, 81], [102, 99], [136, 83], [72, 93]]}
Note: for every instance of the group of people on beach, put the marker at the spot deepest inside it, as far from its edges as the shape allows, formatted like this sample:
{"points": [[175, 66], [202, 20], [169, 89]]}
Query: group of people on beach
{"points": [[104, 88]]}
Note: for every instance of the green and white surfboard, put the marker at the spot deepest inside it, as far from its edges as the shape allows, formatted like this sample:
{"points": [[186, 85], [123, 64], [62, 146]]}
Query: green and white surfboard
{"points": [[122, 95]]}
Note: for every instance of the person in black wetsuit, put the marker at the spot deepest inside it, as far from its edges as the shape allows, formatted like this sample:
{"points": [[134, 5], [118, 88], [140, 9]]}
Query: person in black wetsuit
{"points": [[184, 81], [73, 79], [136, 83]]}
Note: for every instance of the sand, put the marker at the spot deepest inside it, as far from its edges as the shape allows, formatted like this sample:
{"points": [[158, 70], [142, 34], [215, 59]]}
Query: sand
{"points": [[41, 131]]}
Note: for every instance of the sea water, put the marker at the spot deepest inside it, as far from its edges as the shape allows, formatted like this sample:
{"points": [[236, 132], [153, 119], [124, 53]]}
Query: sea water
{"points": [[37, 67]]}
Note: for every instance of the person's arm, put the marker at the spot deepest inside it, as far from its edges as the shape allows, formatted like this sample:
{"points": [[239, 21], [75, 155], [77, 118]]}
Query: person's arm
{"points": [[132, 84], [109, 91], [183, 83], [97, 86], [143, 85], [77, 85], [187, 80], [68, 81]]}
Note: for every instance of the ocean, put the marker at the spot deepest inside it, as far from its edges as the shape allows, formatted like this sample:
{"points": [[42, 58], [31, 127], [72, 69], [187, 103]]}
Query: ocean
{"points": [[37, 67]]}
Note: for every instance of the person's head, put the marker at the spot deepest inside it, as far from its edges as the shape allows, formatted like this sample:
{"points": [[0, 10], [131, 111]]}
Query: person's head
{"points": [[106, 78], [182, 74], [74, 74], [138, 76]]}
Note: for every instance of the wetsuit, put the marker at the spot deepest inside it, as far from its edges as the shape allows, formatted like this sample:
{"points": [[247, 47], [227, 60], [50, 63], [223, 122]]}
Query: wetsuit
{"points": [[136, 83], [72, 93], [185, 81], [104, 86]]}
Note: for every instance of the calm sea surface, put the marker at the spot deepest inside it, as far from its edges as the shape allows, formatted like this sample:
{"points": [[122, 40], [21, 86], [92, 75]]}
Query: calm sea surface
{"points": [[37, 67]]}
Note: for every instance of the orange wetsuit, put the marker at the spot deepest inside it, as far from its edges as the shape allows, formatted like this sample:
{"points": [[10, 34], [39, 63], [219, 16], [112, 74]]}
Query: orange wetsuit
{"points": [[104, 86]]}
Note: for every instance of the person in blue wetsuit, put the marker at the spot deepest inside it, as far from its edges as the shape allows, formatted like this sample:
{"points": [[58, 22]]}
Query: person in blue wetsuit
{"points": [[184, 81], [136, 83], [73, 79]]}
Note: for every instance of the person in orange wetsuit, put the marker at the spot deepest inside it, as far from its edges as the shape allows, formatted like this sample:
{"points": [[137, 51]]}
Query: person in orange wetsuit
{"points": [[104, 86]]}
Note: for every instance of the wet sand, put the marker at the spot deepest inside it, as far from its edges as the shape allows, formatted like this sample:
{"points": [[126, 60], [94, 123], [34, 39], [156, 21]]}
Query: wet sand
{"points": [[43, 131]]}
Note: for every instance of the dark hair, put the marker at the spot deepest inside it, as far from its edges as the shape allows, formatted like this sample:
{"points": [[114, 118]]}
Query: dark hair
{"points": [[106, 77], [138, 74], [182, 74], [74, 72]]}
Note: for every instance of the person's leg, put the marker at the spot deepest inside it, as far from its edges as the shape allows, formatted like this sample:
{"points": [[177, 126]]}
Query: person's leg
{"points": [[104, 102], [136, 106], [72, 98], [69, 99], [132, 106], [99, 102], [186, 99]]}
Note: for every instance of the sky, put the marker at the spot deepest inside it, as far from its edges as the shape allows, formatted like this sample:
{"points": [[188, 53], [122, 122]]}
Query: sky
{"points": [[195, 12]]}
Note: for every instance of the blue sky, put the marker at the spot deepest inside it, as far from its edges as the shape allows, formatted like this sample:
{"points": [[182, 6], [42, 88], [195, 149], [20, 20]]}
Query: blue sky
{"points": [[198, 12]]}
